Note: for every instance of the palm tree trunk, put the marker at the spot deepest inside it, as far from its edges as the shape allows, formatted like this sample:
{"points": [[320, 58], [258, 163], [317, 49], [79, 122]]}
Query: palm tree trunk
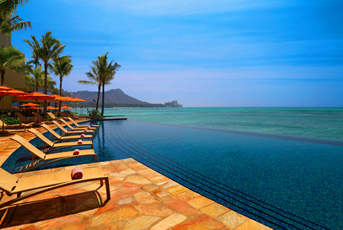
{"points": [[103, 99], [2, 77], [97, 100], [45, 84], [59, 106]]}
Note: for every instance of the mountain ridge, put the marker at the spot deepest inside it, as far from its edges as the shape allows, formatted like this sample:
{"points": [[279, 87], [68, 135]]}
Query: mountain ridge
{"points": [[116, 98]]}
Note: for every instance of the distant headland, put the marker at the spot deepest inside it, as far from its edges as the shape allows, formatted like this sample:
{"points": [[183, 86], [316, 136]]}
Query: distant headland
{"points": [[116, 98]]}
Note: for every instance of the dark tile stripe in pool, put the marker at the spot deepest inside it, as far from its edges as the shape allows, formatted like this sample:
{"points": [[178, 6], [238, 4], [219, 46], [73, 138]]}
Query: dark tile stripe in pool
{"points": [[234, 199]]}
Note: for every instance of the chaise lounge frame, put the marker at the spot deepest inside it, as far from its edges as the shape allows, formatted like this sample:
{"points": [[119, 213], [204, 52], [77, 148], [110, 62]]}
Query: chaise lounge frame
{"points": [[44, 159], [12, 185]]}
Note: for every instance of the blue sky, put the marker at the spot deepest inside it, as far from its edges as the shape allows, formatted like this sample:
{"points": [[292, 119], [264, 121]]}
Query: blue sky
{"points": [[202, 52]]}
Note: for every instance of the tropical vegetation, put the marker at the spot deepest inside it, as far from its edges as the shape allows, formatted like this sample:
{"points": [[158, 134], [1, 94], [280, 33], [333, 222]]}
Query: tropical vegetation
{"points": [[10, 59], [50, 49], [46, 54], [8, 21], [102, 74], [93, 79], [62, 68]]}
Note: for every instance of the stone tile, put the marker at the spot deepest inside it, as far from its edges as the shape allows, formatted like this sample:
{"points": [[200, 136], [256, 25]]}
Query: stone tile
{"points": [[76, 226], [181, 207], [154, 210], [120, 213], [127, 171], [199, 223], [169, 222], [139, 180], [162, 195], [251, 224], [150, 187], [214, 210], [232, 219], [186, 195], [176, 189], [123, 192], [107, 207], [141, 222], [145, 198], [125, 200], [58, 222], [200, 202], [167, 184], [159, 179]]}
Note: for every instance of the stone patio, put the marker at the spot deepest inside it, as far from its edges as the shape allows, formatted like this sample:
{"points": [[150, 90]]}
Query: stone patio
{"points": [[141, 198]]}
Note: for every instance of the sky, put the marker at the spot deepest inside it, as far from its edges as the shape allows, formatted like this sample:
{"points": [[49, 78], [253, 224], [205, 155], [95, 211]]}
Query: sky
{"points": [[203, 53]]}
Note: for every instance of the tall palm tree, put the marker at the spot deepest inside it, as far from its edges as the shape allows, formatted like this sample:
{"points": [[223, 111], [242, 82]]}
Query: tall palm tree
{"points": [[9, 23], [94, 79], [10, 59], [50, 49], [37, 76], [106, 71], [62, 68]]}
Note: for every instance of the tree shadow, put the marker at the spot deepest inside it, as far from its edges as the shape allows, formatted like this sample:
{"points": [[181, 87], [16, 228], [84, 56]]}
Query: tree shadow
{"points": [[31, 212]]}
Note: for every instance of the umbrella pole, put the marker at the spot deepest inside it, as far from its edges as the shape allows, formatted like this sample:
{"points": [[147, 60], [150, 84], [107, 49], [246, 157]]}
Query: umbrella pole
{"points": [[2, 108]]}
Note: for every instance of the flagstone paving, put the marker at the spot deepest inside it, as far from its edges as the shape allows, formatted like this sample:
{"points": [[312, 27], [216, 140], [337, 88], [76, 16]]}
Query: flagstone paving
{"points": [[141, 198]]}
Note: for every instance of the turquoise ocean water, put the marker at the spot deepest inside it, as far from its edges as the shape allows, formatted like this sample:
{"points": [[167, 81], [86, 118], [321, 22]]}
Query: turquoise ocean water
{"points": [[322, 123]]}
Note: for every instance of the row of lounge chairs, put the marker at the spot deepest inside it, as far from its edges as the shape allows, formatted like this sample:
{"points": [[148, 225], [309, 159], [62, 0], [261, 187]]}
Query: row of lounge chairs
{"points": [[31, 185], [38, 121]]}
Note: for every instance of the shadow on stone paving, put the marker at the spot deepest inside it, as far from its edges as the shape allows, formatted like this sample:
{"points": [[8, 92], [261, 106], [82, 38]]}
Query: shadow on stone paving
{"points": [[49, 208]]}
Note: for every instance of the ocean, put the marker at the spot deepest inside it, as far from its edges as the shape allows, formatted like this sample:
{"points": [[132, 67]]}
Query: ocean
{"points": [[321, 123]]}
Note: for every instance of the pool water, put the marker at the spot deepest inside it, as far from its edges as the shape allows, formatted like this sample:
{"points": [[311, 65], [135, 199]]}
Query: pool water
{"points": [[281, 182]]}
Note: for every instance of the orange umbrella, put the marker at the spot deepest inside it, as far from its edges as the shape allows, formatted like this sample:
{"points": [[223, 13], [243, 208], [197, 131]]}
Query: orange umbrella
{"points": [[66, 107], [6, 91], [51, 107], [37, 96], [68, 99], [56, 97], [32, 107], [15, 107], [79, 100], [29, 105]]}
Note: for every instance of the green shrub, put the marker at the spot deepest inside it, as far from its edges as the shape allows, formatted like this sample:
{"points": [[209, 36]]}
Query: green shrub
{"points": [[11, 120], [94, 114]]}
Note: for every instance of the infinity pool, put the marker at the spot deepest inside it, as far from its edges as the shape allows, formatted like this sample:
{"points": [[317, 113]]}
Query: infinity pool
{"points": [[279, 181]]}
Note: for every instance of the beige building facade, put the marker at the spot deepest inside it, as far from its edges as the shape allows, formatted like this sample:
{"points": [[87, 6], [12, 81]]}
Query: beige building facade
{"points": [[12, 79]]}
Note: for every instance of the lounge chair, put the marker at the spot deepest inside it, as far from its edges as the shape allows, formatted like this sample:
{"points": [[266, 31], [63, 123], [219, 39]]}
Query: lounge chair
{"points": [[34, 185], [52, 115], [65, 138], [55, 146], [80, 126], [66, 132], [22, 125], [44, 159], [77, 128], [23, 119], [39, 118]]}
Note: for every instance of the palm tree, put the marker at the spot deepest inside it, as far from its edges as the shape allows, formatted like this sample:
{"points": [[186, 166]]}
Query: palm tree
{"points": [[106, 71], [62, 68], [37, 76], [50, 49], [10, 59], [8, 23], [94, 79]]}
